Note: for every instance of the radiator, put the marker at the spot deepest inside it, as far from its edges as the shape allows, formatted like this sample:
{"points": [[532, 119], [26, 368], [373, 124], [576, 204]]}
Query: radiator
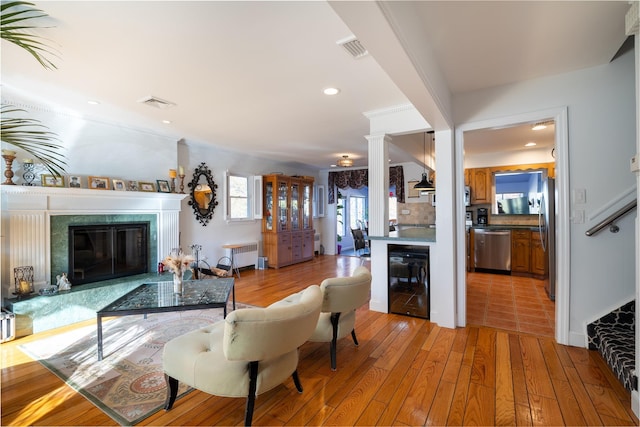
{"points": [[244, 255], [8, 323], [316, 243]]}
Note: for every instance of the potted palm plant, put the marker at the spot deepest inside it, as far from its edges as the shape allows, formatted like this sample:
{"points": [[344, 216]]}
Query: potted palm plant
{"points": [[28, 134]]}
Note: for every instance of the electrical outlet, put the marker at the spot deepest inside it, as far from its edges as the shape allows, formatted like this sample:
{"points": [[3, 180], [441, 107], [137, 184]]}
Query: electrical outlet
{"points": [[578, 216], [406, 211]]}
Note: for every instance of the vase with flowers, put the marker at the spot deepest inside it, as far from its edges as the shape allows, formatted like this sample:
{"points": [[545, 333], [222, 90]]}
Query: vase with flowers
{"points": [[178, 262]]}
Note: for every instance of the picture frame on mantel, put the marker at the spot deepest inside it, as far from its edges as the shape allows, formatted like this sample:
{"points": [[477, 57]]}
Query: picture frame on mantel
{"points": [[99, 183], [132, 186], [412, 192], [52, 181], [163, 186], [118, 185], [149, 187]]}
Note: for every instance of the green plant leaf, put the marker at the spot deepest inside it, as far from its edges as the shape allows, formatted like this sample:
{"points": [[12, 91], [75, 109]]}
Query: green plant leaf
{"points": [[33, 137], [15, 24], [30, 135]]}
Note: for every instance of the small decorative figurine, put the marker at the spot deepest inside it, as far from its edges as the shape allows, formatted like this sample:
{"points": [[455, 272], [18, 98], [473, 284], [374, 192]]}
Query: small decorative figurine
{"points": [[63, 282]]}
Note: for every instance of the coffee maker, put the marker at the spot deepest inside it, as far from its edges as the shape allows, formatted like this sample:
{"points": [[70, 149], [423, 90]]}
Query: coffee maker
{"points": [[482, 216]]}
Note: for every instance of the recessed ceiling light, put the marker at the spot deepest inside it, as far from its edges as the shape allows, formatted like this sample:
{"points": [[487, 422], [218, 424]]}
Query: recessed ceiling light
{"points": [[530, 144], [331, 91], [91, 102], [166, 122]]}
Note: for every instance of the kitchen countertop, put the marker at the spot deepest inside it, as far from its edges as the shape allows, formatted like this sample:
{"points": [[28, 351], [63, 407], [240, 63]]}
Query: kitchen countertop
{"points": [[404, 233]]}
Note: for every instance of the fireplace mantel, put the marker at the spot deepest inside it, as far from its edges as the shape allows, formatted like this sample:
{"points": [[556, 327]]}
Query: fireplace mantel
{"points": [[26, 226]]}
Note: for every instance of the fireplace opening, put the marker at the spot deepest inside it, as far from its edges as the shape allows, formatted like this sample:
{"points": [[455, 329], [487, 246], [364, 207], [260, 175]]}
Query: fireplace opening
{"points": [[107, 251]]}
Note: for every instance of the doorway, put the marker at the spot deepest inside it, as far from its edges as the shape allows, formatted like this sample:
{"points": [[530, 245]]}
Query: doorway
{"points": [[559, 150]]}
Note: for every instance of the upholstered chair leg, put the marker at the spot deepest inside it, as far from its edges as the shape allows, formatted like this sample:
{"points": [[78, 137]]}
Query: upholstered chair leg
{"points": [[335, 317], [353, 335], [251, 398], [172, 391], [296, 381]]}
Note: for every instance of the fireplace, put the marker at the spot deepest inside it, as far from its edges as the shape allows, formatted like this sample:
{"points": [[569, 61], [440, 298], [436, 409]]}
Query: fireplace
{"points": [[107, 251]]}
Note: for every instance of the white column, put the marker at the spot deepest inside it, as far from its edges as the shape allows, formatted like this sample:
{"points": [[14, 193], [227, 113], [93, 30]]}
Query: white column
{"points": [[378, 185], [168, 233]]}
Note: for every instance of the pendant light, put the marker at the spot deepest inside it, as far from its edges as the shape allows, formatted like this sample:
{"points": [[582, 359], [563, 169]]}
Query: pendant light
{"points": [[425, 184]]}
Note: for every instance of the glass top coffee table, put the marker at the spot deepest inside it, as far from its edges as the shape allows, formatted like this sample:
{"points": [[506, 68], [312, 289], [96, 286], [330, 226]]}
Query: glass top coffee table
{"points": [[159, 297]]}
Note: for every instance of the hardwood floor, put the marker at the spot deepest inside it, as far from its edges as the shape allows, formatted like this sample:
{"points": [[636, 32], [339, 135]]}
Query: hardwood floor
{"points": [[406, 371]]}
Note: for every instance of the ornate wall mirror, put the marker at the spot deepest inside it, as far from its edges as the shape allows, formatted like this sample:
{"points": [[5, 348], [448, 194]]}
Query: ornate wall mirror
{"points": [[203, 194]]}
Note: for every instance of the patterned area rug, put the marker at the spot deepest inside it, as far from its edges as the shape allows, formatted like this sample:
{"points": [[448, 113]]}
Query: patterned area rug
{"points": [[128, 384]]}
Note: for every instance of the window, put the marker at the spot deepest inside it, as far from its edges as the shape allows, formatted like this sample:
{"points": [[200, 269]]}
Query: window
{"points": [[340, 216], [243, 195], [357, 211]]}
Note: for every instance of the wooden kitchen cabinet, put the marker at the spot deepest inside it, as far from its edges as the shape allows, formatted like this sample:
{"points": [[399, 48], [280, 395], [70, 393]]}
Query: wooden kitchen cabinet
{"points": [[480, 183], [539, 258], [287, 223], [520, 251]]}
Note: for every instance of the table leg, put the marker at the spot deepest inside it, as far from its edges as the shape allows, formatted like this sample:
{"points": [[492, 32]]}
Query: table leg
{"points": [[233, 263], [99, 322], [233, 291]]}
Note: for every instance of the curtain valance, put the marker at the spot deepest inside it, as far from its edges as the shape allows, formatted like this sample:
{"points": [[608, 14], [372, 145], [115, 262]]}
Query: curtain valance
{"points": [[358, 178]]}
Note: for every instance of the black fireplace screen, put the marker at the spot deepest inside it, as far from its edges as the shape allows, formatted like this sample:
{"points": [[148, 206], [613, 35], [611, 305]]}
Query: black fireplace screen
{"points": [[107, 251]]}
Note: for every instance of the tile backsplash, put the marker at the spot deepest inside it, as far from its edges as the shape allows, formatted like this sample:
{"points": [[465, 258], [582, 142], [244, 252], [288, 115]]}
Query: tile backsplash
{"points": [[419, 213]]}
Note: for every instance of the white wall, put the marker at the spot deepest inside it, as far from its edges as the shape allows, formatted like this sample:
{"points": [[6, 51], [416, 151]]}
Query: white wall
{"points": [[96, 148], [602, 120], [218, 232]]}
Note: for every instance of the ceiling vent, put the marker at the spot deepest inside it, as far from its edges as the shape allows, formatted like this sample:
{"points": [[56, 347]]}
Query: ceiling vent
{"points": [[154, 101], [353, 47]]}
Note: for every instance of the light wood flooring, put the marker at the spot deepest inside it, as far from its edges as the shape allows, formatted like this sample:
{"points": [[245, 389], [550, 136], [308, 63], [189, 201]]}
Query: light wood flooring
{"points": [[406, 371]]}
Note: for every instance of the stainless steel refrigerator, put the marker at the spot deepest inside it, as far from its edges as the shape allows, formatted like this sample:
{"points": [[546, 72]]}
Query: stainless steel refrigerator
{"points": [[547, 225]]}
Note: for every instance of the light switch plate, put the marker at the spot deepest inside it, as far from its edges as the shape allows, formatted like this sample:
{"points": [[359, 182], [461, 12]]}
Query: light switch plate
{"points": [[579, 196], [635, 163]]}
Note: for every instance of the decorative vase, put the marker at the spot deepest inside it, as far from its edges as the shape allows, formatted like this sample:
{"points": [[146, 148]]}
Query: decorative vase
{"points": [[177, 283]]}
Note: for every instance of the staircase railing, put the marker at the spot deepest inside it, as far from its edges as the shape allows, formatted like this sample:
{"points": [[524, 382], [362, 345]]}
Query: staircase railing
{"points": [[611, 219]]}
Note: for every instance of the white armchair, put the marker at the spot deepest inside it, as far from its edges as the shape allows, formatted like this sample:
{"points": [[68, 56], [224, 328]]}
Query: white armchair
{"points": [[341, 297], [250, 352]]}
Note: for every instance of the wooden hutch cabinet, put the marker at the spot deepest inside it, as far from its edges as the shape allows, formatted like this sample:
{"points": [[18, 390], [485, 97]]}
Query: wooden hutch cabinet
{"points": [[287, 224]]}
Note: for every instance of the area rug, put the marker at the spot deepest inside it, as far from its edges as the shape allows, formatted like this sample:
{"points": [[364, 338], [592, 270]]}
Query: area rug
{"points": [[128, 384]]}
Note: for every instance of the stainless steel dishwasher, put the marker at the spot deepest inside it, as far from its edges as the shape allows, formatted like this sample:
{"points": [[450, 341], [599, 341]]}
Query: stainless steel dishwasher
{"points": [[492, 249]]}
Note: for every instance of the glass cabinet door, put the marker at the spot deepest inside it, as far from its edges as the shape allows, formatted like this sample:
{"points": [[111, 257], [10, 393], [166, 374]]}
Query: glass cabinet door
{"points": [[268, 205], [283, 205], [306, 205], [295, 205]]}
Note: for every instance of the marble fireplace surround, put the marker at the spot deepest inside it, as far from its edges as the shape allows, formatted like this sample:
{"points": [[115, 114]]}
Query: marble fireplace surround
{"points": [[27, 214]]}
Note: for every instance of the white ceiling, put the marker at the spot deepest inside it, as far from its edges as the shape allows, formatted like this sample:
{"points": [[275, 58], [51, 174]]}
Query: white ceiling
{"points": [[248, 76]]}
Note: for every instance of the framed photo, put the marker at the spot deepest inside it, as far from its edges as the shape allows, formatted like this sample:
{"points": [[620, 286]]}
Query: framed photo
{"points": [[147, 186], [75, 181], [99, 183], [52, 181], [118, 185], [132, 186], [163, 186], [412, 192]]}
